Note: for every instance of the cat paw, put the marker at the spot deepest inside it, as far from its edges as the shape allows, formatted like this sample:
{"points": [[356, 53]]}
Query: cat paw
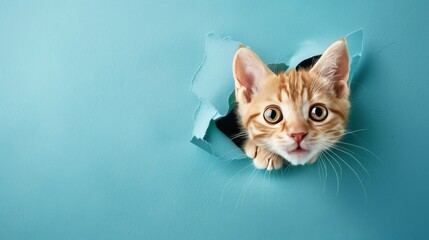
{"points": [[262, 157], [267, 160]]}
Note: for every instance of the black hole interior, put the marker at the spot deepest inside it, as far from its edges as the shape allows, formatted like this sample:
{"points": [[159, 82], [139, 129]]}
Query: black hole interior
{"points": [[230, 126], [308, 63]]}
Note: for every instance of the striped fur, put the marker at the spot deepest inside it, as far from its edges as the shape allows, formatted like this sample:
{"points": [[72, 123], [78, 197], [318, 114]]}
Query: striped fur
{"points": [[294, 92]]}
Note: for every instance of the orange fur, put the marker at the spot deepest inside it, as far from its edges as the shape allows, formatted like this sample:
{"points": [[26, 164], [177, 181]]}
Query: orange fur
{"points": [[294, 93]]}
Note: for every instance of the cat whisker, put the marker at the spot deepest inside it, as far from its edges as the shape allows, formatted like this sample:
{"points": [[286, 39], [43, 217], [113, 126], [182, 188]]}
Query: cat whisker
{"points": [[357, 176], [228, 161], [286, 169], [246, 186], [237, 157], [357, 146], [346, 132], [319, 170], [230, 180], [263, 191], [335, 171], [239, 135], [360, 147], [338, 147], [240, 151], [355, 131], [351, 155], [333, 158], [325, 175]]}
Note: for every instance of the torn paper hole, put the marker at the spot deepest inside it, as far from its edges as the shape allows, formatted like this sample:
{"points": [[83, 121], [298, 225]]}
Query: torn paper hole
{"points": [[215, 122]]}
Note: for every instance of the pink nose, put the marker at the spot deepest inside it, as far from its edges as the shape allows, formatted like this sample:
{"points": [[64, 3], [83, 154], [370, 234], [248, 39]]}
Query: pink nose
{"points": [[298, 136]]}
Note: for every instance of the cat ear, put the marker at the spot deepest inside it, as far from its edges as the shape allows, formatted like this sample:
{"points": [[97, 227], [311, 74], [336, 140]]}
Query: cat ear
{"points": [[249, 71], [334, 66]]}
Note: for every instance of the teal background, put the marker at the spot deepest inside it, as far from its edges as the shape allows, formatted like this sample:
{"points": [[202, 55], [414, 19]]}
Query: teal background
{"points": [[96, 118]]}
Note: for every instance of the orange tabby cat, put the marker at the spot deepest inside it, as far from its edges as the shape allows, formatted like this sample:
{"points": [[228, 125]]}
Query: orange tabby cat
{"points": [[294, 115]]}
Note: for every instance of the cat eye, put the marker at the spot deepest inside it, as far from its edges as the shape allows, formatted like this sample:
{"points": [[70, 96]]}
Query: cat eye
{"points": [[272, 114], [318, 113]]}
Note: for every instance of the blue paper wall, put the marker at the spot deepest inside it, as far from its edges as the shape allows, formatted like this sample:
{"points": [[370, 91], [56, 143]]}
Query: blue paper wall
{"points": [[96, 117]]}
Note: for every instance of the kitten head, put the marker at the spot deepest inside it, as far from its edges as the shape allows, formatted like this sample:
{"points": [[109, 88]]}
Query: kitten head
{"points": [[295, 114]]}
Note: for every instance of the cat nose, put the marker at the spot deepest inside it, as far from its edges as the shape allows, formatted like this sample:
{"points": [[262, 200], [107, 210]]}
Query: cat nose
{"points": [[298, 136]]}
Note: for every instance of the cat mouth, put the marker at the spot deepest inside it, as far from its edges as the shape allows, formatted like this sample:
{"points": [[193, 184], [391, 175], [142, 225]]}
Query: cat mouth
{"points": [[297, 150]]}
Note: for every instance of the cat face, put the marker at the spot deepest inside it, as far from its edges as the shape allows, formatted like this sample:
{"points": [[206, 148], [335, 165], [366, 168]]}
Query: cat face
{"points": [[294, 114]]}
